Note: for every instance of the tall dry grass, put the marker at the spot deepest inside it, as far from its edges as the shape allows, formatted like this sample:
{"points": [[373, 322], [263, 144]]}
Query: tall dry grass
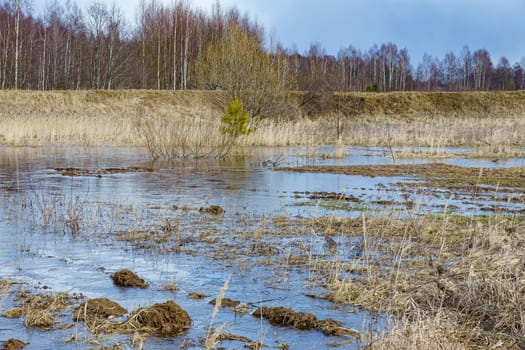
{"points": [[178, 124], [448, 282], [212, 336]]}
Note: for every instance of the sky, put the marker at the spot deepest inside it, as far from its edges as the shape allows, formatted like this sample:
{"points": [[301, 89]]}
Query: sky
{"points": [[421, 26]]}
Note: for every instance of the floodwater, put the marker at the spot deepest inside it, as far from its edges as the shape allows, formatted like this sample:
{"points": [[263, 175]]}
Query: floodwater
{"points": [[58, 234]]}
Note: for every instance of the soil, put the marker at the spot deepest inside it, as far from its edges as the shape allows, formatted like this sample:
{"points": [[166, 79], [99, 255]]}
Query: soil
{"points": [[128, 278], [229, 336], [197, 295], [286, 317], [214, 210], [329, 196], [100, 172], [226, 302], [101, 308], [164, 319], [335, 328], [14, 344]]}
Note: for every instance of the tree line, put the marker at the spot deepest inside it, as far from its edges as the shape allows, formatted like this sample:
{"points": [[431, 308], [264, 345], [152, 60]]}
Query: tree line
{"points": [[178, 47]]}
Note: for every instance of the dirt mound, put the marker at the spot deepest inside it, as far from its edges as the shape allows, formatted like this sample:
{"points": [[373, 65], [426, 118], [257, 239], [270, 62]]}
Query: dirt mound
{"points": [[14, 344], [335, 328], [101, 308], [197, 295], [226, 302], [330, 196], [286, 317], [128, 278], [100, 172], [214, 210], [164, 319]]}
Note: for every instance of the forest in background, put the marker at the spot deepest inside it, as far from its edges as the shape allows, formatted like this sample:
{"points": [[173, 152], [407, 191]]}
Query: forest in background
{"points": [[178, 47]]}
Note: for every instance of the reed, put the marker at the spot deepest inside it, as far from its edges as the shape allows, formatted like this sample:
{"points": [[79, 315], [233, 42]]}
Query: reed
{"points": [[448, 282], [187, 123]]}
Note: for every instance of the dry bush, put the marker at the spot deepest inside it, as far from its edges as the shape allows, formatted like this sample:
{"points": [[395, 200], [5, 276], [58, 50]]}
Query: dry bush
{"points": [[180, 135]]}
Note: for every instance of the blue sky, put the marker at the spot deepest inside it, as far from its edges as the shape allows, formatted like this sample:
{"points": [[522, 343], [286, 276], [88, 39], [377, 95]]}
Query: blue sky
{"points": [[432, 26]]}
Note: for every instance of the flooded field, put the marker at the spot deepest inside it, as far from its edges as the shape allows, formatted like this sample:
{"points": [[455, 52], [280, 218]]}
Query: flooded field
{"points": [[272, 236]]}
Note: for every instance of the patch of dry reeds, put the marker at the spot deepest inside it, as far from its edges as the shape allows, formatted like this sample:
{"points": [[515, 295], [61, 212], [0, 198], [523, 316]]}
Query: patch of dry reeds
{"points": [[451, 283], [5, 286], [187, 123], [39, 310]]}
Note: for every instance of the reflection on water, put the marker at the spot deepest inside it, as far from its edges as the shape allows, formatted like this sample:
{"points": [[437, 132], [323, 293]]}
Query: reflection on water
{"points": [[32, 192]]}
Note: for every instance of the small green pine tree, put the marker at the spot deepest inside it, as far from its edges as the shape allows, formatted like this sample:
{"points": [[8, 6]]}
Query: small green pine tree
{"points": [[236, 119]]}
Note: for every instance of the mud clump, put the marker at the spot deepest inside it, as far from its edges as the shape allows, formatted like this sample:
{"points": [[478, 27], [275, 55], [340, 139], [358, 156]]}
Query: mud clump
{"points": [[214, 210], [197, 295], [164, 319], [14, 344], [101, 308], [100, 172], [333, 196], [335, 328], [226, 302], [128, 278], [286, 317]]}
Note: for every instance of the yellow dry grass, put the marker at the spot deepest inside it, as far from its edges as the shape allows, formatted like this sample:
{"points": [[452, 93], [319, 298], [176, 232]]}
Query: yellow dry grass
{"points": [[185, 122], [450, 282]]}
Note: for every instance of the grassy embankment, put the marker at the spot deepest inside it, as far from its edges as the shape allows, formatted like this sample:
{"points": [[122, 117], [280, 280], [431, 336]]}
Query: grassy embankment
{"points": [[491, 122]]}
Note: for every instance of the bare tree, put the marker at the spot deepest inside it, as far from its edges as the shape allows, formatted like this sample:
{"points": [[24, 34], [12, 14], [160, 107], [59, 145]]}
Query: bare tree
{"points": [[18, 11], [98, 17]]}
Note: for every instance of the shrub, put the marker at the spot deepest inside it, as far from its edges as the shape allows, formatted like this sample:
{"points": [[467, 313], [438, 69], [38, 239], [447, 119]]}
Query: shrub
{"points": [[236, 120]]}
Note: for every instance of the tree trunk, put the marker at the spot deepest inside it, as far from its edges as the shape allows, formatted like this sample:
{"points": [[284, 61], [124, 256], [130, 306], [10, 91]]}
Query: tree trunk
{"points": [[186, 44], [17, 33]]}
